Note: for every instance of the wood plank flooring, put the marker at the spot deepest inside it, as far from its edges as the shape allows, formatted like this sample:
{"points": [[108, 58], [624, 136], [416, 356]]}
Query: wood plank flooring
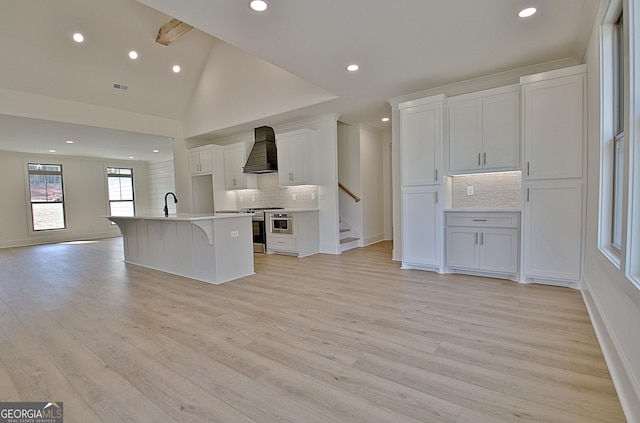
{"points": [[349, 338]]}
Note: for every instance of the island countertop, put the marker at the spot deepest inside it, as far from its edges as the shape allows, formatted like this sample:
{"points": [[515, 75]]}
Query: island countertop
{"points": [[212, 248], [181, 217]]}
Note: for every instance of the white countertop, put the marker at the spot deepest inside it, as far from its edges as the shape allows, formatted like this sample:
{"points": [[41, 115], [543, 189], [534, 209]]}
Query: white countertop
{"points": [[292, 210], [474, 210], [182, 217]]}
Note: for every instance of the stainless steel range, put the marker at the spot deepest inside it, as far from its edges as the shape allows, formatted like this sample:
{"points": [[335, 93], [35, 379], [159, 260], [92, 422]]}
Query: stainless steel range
{"points": [[259, 230]]}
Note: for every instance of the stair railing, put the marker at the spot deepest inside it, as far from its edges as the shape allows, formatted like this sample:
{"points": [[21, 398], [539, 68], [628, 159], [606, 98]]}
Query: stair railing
{"points": [[348, 191]]}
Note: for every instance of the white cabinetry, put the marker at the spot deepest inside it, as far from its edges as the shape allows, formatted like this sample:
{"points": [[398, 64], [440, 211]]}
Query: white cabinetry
{"points": [[200, 161], [421, 142], [421, 135], [484, 243], [553, 126], [554, 139], [296, 161], [422, 228], [303, 239], [235, 157], [484, 131], [553, 225]]}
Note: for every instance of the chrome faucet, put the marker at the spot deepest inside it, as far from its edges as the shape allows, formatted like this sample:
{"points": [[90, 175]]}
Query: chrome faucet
{"points": [[166, 208]]}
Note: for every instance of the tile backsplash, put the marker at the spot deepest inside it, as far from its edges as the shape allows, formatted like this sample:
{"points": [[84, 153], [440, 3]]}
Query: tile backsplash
{"points": [[501, 190], [270, 194]]}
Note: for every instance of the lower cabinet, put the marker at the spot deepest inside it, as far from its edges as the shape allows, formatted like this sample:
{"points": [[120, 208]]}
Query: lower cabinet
{"points": [[421, 228], [553, 232], [302, 237], [483, 242]]}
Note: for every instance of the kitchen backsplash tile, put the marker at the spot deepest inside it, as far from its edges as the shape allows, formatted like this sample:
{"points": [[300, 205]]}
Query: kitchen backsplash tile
{"points": [[501, 190], [270, 194]]}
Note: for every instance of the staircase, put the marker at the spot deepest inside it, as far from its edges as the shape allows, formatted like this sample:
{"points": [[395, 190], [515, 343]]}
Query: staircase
{"points": [[348, 238]]}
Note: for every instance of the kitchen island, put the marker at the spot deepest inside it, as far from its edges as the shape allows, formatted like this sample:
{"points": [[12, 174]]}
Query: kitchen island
{"points": [[210, 248]]}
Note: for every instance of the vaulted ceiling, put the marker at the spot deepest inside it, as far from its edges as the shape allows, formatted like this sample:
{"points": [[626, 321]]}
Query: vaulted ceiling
{"points": [[401, 46]]}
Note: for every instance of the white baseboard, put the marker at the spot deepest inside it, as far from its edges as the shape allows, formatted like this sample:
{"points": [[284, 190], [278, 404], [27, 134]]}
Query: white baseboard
{"points": [[628, 393]]}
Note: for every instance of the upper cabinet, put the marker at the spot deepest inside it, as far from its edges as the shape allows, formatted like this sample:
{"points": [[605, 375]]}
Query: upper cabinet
{"points": [[235, 157], [421, 134], [200, 161], [553, 124], [296, 162], [484, 131]]}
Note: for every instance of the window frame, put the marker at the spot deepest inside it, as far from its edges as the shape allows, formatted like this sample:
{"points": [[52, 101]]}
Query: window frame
{"points": [[118, 175], [32, 225]]}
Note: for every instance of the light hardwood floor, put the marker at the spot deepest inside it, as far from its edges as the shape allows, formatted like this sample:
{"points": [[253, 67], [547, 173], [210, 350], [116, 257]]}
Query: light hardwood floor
{"points": [[349, 338]]}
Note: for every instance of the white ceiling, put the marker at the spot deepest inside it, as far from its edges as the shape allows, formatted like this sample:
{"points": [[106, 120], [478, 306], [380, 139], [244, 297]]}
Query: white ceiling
{"points": [[402, 46]]}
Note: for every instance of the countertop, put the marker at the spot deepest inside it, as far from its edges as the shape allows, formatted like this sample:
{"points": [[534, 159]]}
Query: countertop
{"points": [[182, 217], [473, 210]]}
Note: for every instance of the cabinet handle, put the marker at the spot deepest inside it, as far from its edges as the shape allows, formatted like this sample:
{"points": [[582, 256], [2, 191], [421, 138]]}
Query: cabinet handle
{"points": [[476, 238], [436, 198], [436, 174], [479, 220], [479, 159], [485, 158], [481, 238], [527, 195], [528, 168]]}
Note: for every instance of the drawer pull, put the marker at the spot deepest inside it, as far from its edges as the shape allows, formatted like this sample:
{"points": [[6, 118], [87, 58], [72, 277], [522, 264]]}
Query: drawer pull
{"points": [[479, 220]]}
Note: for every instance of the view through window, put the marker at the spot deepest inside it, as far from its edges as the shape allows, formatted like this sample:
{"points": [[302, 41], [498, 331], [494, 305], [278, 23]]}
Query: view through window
{"points": [[120, 186], [47, 196]]}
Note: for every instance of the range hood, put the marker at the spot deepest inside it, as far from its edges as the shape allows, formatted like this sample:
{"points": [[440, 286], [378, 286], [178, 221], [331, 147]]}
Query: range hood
{"points": [[263, 157]]}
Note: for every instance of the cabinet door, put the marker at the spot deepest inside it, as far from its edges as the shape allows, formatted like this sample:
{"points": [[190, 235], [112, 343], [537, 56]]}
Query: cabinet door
{"points": [[420, 143], [501, 132], [194, 163], [553, 128], [234, 160], [421, 227], [462, 248], [465, 135], [206, 162], [499, 250], [293, 158], [553, 230]]}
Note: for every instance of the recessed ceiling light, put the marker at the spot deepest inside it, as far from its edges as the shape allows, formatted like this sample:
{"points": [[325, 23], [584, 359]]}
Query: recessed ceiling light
{"points": [[69, 141], [131, 157], [525, 13], [78, 38], [258, 5], [353, 68], [52, 151], [156, 151], [176, 68], [133, 54], [385, 119]]}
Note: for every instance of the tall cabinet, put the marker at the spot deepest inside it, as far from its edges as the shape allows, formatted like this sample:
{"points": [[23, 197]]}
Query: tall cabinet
{"points": [[422, 126], [554, 139]]}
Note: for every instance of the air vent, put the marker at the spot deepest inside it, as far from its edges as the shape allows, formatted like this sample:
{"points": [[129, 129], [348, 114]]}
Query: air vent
{"points": [[120, 87]]}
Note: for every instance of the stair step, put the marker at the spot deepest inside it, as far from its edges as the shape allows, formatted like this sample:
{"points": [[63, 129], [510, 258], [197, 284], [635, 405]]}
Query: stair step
{"points": [[344, 230], [348, 239]]}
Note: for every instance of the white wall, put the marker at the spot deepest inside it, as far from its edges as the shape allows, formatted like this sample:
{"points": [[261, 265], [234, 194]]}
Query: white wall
{"points": [[614, 303], [85, 188], [161, 180], [371, 171]]}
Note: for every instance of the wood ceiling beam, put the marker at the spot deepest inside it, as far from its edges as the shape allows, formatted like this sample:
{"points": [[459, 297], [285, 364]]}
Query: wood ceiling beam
{"points": [[171, 31]]}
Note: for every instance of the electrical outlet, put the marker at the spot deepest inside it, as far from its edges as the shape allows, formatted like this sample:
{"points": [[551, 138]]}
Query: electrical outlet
{"points": [[241, 198], [293, 197], [235, 234], [253, 198], [313, 195], [470, 190]]}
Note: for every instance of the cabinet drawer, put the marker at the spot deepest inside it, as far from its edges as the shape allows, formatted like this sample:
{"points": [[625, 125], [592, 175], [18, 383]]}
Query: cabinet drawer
{"points": [[285, 244], [486, 219]]}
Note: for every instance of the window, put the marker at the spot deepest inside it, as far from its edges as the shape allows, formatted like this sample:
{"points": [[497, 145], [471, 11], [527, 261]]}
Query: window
{"points": [[618, 141], [120, 189], [47, 196]]}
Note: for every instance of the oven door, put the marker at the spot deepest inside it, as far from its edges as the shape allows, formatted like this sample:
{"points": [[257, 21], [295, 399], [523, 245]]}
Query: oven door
{"points": [[259, 236]]}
